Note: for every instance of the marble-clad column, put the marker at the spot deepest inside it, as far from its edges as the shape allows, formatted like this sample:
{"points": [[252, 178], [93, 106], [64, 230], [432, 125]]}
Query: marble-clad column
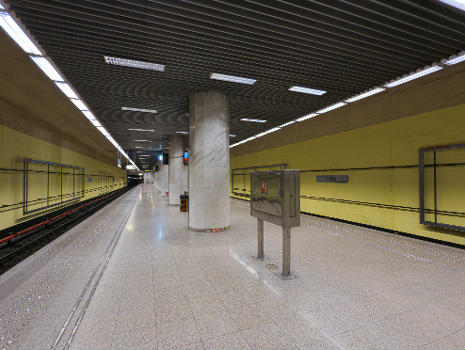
{"points": [[164, 173], [209, 161], [177, 170]]}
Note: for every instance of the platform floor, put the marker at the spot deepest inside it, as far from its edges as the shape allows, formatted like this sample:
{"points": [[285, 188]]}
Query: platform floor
{"points": [[132, 277]]}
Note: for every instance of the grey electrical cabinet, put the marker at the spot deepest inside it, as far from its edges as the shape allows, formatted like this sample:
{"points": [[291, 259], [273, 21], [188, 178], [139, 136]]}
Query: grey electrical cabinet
{"points": [[275, 196]]}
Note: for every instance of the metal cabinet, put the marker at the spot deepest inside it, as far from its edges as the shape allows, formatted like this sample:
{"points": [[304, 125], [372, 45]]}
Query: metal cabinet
{"points": [[275, 197]]}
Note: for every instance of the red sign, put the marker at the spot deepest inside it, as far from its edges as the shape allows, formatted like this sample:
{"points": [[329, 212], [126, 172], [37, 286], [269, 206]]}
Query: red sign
{"points": [[264, 187]]}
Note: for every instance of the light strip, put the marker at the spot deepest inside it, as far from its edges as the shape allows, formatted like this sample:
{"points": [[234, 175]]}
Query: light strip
{"points": [[287, 124], [141, 140], [232, 78], [305, 117], [91, 117], [182, 132], [267, 132], [17, 34], [307, 90], [67, 90], [365, 94], [79, 104], [460, 4], [455, 60], [232, 135], [139, 110], [413, 76], [149, 130], [134, 64], [253, 120], [330, 108], [47, 68]]}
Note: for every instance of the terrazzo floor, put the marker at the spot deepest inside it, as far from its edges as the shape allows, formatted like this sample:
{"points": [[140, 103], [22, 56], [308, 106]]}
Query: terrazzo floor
{"points": [[133, 277]]}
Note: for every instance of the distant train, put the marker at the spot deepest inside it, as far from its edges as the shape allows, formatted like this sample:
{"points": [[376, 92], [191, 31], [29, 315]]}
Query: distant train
{"points": [[134, 180]]}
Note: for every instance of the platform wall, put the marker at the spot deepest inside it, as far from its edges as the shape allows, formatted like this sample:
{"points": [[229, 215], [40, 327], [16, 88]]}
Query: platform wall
{"points": [[99, 177], [386, 198]]}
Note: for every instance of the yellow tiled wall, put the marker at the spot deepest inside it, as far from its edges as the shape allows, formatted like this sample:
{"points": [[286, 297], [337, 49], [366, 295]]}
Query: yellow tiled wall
{"points": [[386, 144]]}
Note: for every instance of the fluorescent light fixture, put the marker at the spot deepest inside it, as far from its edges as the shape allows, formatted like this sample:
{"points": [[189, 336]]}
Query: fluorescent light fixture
{"points": [[66, 89], [413, 76], [307, 90], [91, 118], [182, 132], [455, 60], [17, 34], [365, 94], [130, 167], [253, 120], [330, 108], [460, 4], [232, 78], [149, 130], [267, 132], [47, 68], [134, 64], [286, 124], [139, 110], [89, 115], [102, 130], [305, 117], [232, 135], [141, 140], [1, 7], [79, 104]]}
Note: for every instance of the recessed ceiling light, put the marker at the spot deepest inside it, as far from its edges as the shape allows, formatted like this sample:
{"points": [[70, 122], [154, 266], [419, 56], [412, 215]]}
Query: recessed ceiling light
{"points": [[149, 130], [307, 90], [232, 135], [79, 104], [253, 120], [47, 68], [66, 89], [182, 132], [455, 60], [139, 110], [330, 108], [413, 76], [365, 94], [286, 124], [305, 117], [232, 78], [17, 34], [134, 64], [460, 4]]}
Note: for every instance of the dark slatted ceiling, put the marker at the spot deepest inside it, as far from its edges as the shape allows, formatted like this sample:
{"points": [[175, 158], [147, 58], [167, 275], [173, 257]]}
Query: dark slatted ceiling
{"points": [[343, 47]]}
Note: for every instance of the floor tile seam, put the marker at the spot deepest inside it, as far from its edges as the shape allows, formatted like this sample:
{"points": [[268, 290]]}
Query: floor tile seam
{"points": [[108, 253], [78, 261]]}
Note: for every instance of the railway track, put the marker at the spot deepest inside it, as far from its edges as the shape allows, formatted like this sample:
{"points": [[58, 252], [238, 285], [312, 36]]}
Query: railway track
{"points": [[16, 247]]}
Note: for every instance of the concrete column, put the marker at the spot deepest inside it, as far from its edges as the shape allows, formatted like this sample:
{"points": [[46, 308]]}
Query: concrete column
{"points": [[164, 172], [177, 170], [209, 161]]}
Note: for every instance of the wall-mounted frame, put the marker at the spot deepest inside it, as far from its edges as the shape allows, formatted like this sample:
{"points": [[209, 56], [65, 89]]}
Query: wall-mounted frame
{"points": [[421, 166], [55, 183]]}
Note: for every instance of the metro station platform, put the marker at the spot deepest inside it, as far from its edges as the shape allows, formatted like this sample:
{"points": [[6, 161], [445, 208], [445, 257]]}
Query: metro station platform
{"points": [[133, 277]]}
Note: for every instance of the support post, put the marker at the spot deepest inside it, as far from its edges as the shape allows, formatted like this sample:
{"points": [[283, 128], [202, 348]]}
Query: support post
{"points": [[260, 254], [286, 252]]}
